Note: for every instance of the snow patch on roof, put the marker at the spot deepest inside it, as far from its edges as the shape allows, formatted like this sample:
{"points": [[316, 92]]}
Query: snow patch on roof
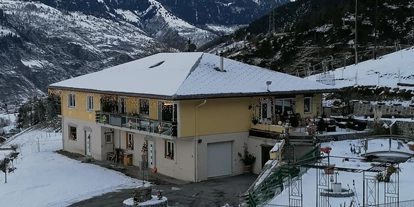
{"points": [[137, 76], [240, 78]]}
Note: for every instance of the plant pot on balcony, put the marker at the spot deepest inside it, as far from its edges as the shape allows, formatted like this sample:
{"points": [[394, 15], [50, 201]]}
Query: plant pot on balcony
{"points": [[329, 169], [411, 145]]}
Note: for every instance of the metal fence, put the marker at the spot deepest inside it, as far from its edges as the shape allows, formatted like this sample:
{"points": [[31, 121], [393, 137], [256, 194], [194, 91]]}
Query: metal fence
{"points": [[408, 203]]}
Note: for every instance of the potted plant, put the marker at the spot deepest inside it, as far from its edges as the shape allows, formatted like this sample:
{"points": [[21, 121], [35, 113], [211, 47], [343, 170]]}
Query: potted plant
{"points": [[247, 158], [255, 120], [411, 145]]}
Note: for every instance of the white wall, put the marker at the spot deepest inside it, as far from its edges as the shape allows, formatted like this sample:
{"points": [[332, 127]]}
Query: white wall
{"points": [[79, 146], [182, 167], [255, 147], [238, 141]]}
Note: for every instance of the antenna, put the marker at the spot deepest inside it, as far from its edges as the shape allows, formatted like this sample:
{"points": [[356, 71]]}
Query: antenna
{"points": [[356, 32]]}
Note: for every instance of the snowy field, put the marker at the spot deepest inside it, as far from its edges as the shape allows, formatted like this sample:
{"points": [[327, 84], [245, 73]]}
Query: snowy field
{"points": [[44, 178], [342, 149], [387, 70]]}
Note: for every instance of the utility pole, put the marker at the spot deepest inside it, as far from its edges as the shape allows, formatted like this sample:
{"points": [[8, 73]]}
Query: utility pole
{"points": [[272, 27], [356, 32], [376, 28]]}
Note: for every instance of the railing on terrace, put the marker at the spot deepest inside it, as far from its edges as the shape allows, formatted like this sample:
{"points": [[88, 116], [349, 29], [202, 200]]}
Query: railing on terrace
{"points": [[409, 203], [137, 123], [278, 180]]}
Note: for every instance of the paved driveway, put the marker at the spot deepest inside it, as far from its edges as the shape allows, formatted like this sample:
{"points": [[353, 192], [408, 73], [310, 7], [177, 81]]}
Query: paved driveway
{"points": [[212, 193]]}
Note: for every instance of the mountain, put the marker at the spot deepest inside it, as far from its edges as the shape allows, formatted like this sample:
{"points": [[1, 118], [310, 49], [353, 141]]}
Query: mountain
{"points": [[311, 36], [50, 40]]}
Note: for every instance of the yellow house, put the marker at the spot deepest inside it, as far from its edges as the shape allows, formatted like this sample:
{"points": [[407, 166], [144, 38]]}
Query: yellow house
{"points": [[193, 111]]}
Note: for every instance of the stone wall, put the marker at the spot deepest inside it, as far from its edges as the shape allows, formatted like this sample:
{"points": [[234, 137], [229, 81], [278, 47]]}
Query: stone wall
{"points": [[405, 128], [366, 108]]}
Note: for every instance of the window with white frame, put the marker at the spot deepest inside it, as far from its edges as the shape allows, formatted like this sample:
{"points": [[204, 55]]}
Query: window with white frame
{"points": [[307, 105], [89, 103], [130, 141], [71, 100], [108, 138], [169, 149]]}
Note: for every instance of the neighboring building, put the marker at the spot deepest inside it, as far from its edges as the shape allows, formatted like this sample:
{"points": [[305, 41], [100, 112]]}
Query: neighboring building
{"points": [[171, 101]]}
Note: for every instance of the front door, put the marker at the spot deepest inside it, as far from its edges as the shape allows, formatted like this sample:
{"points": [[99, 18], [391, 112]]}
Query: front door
{"points": [[151, 154], [265, 154], [266, 111], [88, 143]]}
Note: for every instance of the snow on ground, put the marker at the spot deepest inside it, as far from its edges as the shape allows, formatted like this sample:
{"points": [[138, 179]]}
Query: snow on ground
{"points": [[342, 149], [44, 178], [380, 72]]}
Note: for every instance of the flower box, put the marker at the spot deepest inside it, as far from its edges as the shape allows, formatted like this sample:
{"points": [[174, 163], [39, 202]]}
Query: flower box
{"points": [[329, 169]]}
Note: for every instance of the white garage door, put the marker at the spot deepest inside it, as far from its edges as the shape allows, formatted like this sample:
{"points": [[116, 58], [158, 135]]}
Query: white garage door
{"points": [[219, 159]]}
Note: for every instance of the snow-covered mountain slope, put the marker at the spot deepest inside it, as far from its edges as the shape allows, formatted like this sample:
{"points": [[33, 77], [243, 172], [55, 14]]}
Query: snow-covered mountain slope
{"points": [[387, 71], [46, 41], [40, 44]]}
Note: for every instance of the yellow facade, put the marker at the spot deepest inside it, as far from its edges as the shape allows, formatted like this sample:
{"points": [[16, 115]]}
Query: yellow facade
{"points": [[80, 111], [132, 106], [229, 115], [217, 116]]}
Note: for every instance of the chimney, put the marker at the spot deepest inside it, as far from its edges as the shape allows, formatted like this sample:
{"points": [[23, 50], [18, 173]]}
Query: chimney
{"points": [[221, 62]]}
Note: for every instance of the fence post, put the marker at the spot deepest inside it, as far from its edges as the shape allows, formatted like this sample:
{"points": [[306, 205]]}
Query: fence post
{"points": [[38, 144]]}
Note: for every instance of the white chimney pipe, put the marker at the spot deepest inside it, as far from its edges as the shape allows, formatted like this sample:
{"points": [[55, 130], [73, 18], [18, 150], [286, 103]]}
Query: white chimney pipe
{"points": [[221, 62]]}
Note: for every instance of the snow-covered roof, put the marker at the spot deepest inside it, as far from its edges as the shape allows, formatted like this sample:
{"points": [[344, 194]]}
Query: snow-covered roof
{"points": [[190, 75]]}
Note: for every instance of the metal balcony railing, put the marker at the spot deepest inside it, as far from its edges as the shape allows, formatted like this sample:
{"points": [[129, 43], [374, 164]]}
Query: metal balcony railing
{"points": [[137, 123]]}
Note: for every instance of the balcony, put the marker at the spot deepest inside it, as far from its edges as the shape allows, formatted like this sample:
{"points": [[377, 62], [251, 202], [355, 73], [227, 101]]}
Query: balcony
{"points": [[137, 123], [267, 130]]}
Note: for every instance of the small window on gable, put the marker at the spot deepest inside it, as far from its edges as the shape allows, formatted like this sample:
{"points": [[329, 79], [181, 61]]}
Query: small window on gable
{"points": [[156, 65]]}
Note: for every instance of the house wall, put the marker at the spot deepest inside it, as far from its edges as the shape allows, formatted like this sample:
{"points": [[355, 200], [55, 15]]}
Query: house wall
{"points": [[316, 106], [217, 116], [79, 146], [79, 112], [255, 147], [238, 141], [182, 167]]}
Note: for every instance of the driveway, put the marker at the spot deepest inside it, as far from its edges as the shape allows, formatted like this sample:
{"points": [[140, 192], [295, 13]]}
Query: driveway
{"points": [[211, 193]]}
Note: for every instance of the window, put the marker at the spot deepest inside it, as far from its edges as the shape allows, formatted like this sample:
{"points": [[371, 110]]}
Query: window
{"points": [[284, 105], [89, 103], [307, 105], [108, 138], [71, 100], [144, 106], [169, 112], [169, 149], [130, 141], [72, 133]]}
